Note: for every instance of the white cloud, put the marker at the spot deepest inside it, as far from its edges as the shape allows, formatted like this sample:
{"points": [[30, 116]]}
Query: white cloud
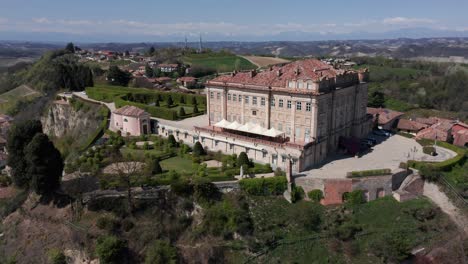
{"points": [[41, 20], [406, 21]]}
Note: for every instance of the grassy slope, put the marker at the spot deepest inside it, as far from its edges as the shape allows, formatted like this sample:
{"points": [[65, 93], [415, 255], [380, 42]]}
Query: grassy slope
{"points": [[378, 219], [222, 63], [10, 98]]}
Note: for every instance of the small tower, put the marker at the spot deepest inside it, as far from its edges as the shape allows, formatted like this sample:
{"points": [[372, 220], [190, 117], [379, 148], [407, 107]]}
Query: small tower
{"points": [[200, 47]]}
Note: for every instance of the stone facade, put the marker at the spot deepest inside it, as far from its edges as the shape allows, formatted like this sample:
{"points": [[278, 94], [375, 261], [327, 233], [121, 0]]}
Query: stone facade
{"points": [[311, 102]]}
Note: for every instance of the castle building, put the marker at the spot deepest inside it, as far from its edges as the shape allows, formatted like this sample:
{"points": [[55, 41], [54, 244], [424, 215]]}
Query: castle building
{"points": [[300, 111]]}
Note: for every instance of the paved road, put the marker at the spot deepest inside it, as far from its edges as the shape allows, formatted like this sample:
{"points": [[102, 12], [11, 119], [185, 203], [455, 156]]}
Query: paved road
{"points": [[387, 154], [85, 97]]}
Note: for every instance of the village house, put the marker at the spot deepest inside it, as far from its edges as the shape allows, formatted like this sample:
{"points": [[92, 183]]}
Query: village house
{"points": [[130, 121], [187, 81], [440, 130], [460, 134], [410, 126], [299, 112], [168, 68], [385, 118]]}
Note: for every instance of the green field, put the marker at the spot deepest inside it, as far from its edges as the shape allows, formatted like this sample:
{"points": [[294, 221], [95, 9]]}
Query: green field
{"points": [[9, 99], [219, 62]]}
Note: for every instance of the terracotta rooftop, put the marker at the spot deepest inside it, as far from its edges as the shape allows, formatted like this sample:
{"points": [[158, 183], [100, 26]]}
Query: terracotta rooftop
{"points": [[186, 79], [278, 76], [130, 110], [385, 115], [410, 125]]}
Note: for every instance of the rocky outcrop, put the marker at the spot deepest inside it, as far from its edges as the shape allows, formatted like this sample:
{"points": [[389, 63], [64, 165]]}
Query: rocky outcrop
{"points": [[70, 125]]}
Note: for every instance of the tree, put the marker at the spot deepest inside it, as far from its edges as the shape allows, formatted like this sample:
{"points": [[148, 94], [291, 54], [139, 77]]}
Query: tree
{"points": [[376, 99], [19, 137], [110, 249], [195, 109], [243, 159], [170, 102], [429, 173], [157, 72], [126, 169], [181, 112], [45, 164], [156, 103], [155, 167], [182, 99], [172, 141], [115, 76], [151, 50], [127, 53], [194, 100], [198, 149], [161, 252], [70, 48], [149, 71]]}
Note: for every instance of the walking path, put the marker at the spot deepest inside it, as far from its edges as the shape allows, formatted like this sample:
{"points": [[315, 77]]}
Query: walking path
{"points": [[432, 191], [85, 97]]}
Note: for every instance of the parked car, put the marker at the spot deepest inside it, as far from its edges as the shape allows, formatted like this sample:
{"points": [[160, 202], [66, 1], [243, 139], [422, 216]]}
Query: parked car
{"points": [[381, 133], [373, 140]]}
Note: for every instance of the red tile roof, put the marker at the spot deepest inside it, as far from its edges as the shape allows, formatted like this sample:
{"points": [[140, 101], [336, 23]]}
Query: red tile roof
{"points": [[130, 110], [385, 115], [186, 79], [278, 76], [410, 125]]}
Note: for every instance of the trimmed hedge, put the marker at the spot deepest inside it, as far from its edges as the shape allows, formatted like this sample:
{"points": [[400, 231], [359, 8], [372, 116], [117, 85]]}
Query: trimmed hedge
{"points": [[367, 173], [264, 186], [429, 150], [444, 165]]}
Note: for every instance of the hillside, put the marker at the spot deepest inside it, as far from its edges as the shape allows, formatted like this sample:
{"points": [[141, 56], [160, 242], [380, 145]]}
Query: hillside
{"points": [[220, 62], [10, 99]]}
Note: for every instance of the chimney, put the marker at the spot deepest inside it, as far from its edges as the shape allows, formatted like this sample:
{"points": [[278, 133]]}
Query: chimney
{"points": [[296, 71]]}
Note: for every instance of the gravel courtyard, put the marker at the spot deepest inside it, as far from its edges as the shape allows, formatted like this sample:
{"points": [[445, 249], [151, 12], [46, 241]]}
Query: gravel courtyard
{"points": [[386, 154]]}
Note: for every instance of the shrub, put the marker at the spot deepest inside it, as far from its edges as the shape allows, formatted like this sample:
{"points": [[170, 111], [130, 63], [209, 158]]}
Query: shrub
{"points": [[297, 193], [198, 149], [429, 173], [403, 165], [127, 225], [172, 141], [161, 252], [206, 191], [154, 166], [107, 223], [110, 250], [243, 160], [264, 186], [279, 172], [182, 188], [315, 195], [56, 256], [355, 197], [181, 112], [4, 181]]}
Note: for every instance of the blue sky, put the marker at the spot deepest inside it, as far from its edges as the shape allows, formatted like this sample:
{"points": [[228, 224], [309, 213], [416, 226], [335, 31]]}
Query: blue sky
{"points": [[143, 20]]}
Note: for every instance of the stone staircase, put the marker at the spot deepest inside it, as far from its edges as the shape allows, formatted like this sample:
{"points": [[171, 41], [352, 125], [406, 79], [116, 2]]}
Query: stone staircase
{"points": [[411, 188]]}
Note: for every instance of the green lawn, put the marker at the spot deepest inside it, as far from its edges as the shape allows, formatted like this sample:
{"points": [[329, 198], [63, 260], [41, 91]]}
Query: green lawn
{"points": [[221, 63], [179, 164], [140, 153]]}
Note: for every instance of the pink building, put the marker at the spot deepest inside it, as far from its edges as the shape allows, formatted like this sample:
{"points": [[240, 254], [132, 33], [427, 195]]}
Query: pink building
{"points": [[131, 121]]}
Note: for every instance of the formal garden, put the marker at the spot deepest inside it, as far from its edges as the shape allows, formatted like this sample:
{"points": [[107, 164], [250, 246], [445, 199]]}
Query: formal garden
{"points": [[165, 161], [166, 105]]}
